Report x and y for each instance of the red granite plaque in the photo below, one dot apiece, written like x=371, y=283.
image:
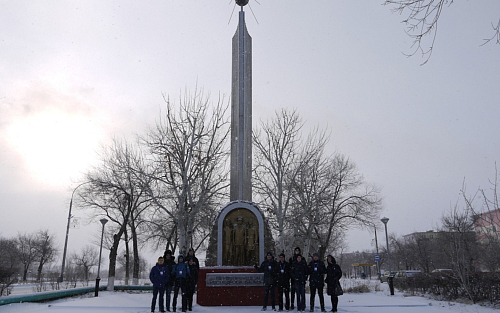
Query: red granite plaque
x=230, y=286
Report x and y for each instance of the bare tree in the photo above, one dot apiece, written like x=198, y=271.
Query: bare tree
x=281, y=159
x=350, y=200
x=139, y=216
x=310, y=198
x=423, y=254
x=142, y=265
x=460, y=244
x=189, y=154
x=45, y=250
x=85, y=261
x=484, y=205
x=277, y=154
x=403, y=253
x=9, y=265
x=161, y=231
x=422, y=18
x=496, y=34
x=118, y=190
x=28, y=252
x=332, y=197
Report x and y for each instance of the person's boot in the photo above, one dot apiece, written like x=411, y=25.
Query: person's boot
x=334, y=307
x=335, y=303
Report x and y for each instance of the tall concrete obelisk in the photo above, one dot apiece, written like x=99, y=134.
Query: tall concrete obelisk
x=242, y=233
x=241, y=117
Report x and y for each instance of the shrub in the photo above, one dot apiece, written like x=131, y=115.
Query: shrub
x=358, y=289
x=448, y=286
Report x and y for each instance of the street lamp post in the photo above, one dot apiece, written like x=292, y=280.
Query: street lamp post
x=98, y=279
x=67, y=233
x=390, y=278
x=378, y=256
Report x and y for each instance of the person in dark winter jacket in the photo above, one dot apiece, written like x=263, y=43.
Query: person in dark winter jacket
x=169, y=262
x=283, y=282
x=333, y=275
x=159, y=277
x=191, y=282
x=317, y=271
x=193, y=257
x=292, y=260
x=299, y=277
x=180, y=274
x=269, y=268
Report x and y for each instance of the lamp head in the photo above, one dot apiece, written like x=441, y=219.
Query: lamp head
x=103, y=221
x=385, y=220
x=241, y=3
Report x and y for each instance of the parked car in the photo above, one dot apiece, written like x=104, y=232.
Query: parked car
x=441, y=270
x=383, y=277
x=406, y=274
x=405, y=278
x=442, y=273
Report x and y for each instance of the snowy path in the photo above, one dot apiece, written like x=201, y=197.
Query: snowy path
x=122, y=302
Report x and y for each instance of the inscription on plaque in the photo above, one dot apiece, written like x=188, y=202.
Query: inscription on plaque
x=234, y=279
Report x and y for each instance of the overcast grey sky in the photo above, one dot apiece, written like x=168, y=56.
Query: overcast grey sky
x=75, y=74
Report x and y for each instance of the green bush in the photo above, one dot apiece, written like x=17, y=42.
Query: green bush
x=449, y=286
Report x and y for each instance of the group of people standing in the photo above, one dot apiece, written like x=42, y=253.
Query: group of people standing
x=290, y=278
x=294, y=273
x=167, y=275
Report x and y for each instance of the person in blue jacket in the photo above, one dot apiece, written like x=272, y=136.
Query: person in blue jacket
x=180, y=273
x=159, y=277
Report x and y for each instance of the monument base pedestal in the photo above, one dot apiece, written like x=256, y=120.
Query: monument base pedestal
x=221, y=290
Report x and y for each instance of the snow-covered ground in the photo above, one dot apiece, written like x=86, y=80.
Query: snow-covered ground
x=373, y=302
